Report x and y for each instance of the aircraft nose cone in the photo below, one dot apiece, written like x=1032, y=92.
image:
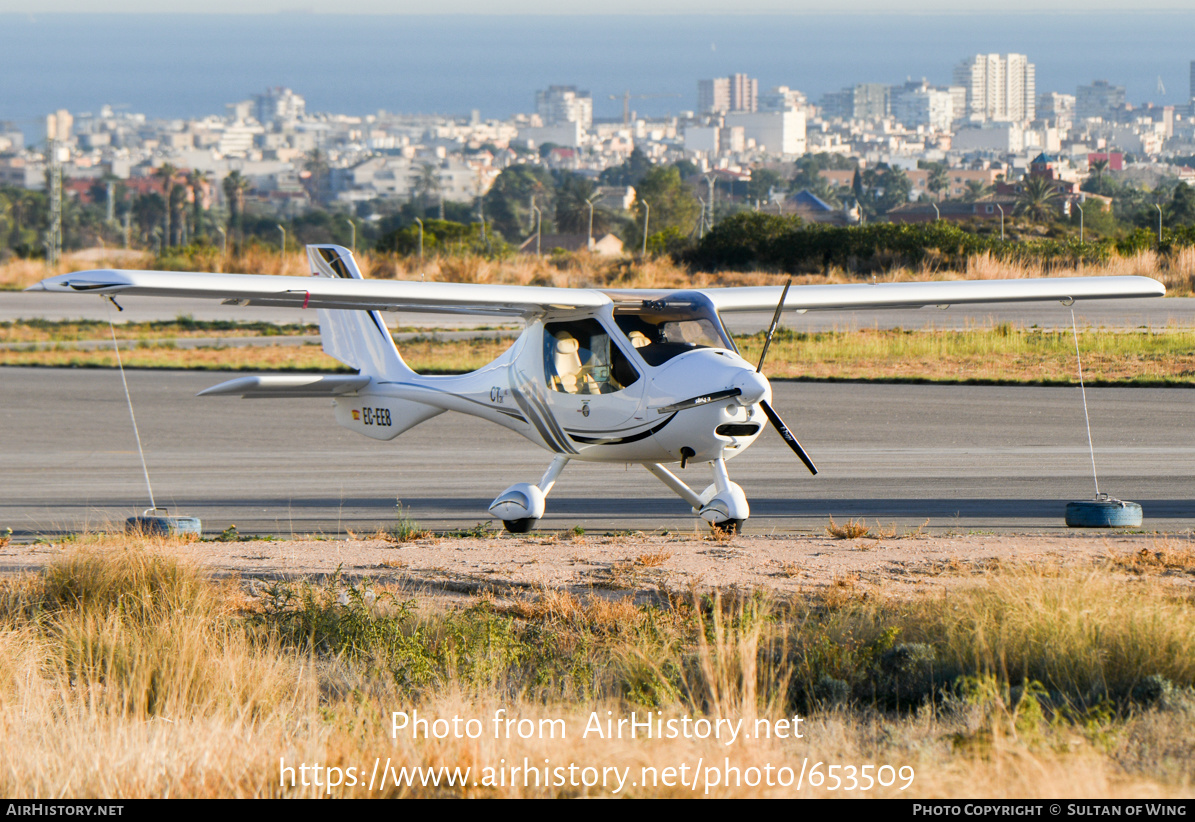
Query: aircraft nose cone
x=753, y=387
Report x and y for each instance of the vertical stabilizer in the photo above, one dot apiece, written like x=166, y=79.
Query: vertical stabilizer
x=357, y=338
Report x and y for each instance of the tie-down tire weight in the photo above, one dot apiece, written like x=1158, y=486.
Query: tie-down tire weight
x=1103, y=512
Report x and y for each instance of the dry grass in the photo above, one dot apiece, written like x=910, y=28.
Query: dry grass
x=653, y=559
x=128, y=674
x=995, y=354
x=1169, y=556
x=1001, y=354
x=852, y=529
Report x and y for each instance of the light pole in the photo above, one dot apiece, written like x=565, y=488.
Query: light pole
x=420, y=240
x=223, y=240
x=282, y=248
x=1080, y=221
x=711, y=178
x=589, y=203
x=538, y=219
x=353, y=227
x=701, y=223
x=1001, y=221
x=646, y=217
x=937, y=214
x=1159, y=208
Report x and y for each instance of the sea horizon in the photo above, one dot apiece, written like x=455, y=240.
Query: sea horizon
x=179, y=65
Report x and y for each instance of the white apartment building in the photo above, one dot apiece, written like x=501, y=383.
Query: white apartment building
x=279, y=105
x=773, y=132
x=782, y=98
x=1058, y=108
x=560, y=105
x=1000, y=88
x=920, y=106
x=722, y=94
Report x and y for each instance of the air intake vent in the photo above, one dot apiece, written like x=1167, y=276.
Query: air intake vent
x=737, y=429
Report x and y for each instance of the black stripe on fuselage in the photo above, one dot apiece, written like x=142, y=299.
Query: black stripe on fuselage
x=642, y=435
x=532, y=415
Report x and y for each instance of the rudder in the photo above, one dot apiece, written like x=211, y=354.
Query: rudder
x=358, y=339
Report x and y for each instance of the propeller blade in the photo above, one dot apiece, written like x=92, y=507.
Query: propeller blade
x=783, y=431
x=773, y=417
x=772, y=328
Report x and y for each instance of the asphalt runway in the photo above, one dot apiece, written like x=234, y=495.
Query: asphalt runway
x=1144, y=313
x=967, y=458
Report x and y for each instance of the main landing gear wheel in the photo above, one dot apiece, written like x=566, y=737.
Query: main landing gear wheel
x=730, y=526
x=520, y=526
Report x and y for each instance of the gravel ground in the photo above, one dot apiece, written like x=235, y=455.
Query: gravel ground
x=450, y=568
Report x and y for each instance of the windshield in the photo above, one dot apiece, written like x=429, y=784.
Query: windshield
x=662, y=329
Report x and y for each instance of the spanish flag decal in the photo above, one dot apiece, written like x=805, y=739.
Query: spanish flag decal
x=356, y=416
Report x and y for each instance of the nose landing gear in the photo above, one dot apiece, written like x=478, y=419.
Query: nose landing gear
x=723, y=504
x=521, y=505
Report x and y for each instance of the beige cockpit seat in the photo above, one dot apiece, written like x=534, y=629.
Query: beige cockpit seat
x=567, y=363
x=638, y=339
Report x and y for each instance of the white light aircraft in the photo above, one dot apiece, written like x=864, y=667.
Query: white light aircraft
x=601, y=375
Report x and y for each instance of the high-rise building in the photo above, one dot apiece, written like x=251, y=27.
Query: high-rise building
x=782, y=98
x=1192, y=93
x=871, y=101
x=1100, y=99
x=564, y=104
x=744, y=93
x=1001, y=88
x=918, y=104
x=1057, y=108
x=722, y=94
x=866, y=101
x=278, y=105
x=713, y=96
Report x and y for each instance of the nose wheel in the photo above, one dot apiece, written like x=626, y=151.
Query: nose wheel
x=730, y=526
x=521, y=505
x=723, y=504
x=520, y=526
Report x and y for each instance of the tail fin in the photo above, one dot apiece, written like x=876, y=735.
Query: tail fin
x=357, y=338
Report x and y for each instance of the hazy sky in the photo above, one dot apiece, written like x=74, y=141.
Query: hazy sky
x=605, y=7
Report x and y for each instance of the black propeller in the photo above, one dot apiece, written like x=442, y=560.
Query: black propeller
x=773, y=417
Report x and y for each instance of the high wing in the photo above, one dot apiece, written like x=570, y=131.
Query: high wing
x=324, y=292
x=531, y=301
x=944, y=293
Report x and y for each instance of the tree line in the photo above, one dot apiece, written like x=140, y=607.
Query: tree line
x=674, y=210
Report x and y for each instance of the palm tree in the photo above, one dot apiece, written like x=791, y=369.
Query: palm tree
x=572, y=206
x=197, y=181
x=235, y=187
x=939, y=180
x=976, y=190
x=317, y=166
x=1098, y=167
x=1037, y=199
x=427, y=185
x=178, y=215
x=166, y=174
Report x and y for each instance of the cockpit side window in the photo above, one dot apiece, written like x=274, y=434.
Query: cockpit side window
x=660, y=330
x=579, y=358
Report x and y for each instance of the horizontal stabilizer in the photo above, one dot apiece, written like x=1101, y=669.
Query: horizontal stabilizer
x=298, y=385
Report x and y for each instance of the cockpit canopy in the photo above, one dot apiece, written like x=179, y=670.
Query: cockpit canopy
x=662, y=329
x=584, y=356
